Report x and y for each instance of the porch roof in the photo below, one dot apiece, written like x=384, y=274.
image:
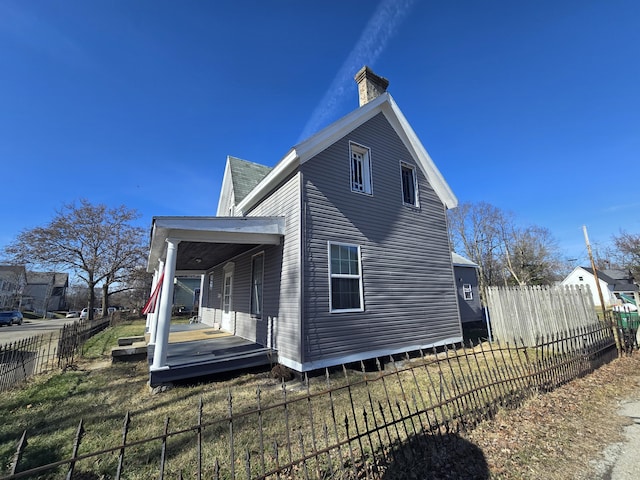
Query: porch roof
x=208, y=241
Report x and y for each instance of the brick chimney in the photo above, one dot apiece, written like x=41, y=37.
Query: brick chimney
x=370, y=85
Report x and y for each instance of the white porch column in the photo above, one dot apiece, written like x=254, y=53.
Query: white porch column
x=164, y=317
x=153, y=327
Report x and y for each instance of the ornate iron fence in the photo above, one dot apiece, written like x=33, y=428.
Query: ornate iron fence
x=348, y=423
x=31, y=356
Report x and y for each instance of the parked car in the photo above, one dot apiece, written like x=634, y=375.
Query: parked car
x=85, y=312
x=11, y=317
x=72, y=314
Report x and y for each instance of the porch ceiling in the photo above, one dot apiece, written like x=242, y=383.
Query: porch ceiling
x=208, y=241
x=200, y=256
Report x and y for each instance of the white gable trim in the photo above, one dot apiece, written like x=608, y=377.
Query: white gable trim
x=225, y=191
x=326, y=137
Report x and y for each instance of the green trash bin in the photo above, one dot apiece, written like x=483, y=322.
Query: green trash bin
x=628, y=323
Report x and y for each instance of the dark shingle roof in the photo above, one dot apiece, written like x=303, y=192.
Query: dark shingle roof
x=619, y=280
x=245, y=176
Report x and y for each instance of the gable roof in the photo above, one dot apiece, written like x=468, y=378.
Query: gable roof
x=315, y=144
x=460, y=261
x=240, y=177
x=245, y=176
x=12, y=271
x=619, y=280
x=56, y=279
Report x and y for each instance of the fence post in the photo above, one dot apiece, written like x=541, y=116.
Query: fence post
x=22, y=444
x=76, y=447
x=125, y=430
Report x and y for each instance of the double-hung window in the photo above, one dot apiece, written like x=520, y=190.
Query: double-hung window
x=345, y=278
x=257, y=279
x=409, y=185
x=467, y=291
x=360, y=169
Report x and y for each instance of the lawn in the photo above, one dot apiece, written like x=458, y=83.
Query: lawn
x=101, y=393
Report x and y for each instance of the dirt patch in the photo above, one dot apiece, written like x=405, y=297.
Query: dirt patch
x=99, y=365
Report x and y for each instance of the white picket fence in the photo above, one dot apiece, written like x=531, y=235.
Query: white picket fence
x=530, y=312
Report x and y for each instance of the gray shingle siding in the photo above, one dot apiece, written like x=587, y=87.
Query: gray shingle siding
x=409, y=291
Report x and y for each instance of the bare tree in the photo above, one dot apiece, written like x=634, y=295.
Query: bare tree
x=97, y=243
x=506, y=254
x=627, y=252
x=475, y=233
x=532, y=256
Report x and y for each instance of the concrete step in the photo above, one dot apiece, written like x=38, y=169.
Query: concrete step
x=133, y=352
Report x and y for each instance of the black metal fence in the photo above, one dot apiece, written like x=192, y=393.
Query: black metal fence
x=41, y=353
x=353, y=422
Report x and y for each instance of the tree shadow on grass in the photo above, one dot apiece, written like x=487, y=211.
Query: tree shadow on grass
x=423, y=457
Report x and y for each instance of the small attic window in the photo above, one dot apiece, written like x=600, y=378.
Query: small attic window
x=409, y=184
x=580, y=279
x=360, y=159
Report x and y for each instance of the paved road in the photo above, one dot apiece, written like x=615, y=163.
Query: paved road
x=622, y=460
x=30, y=328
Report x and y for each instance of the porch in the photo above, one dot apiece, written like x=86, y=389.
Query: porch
x=197, y=350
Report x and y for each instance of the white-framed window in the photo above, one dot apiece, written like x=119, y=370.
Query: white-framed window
x=257, y=281
x=360, y=159
x=467, y=291
x=345, y=278
x=409, y=184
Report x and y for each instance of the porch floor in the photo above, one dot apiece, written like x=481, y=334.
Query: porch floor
x=197, y=350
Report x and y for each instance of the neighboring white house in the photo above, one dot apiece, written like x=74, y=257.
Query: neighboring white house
x=612, y=284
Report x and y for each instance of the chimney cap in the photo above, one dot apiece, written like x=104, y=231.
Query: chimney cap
x=370, y=85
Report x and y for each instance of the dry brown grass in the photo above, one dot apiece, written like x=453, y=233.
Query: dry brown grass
x=554, y=435
x=559, y=435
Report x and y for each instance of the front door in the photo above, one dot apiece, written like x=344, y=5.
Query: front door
x=227, y=301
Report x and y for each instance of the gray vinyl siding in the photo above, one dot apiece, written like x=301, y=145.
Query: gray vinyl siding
x=409, y=291
x=243, y=324
x=282, y=269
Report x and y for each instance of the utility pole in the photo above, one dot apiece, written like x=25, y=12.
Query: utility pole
x=595, y=276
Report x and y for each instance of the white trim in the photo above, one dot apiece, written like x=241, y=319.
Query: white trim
x=225, y=190
x=257, y=317
x=242, y=230
x=414, y=175
x=326, y=137
x=356, y=357
x=225, y=317
x=367, y=174
x=340, y=275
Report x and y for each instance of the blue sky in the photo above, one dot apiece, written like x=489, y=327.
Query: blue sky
x=531, y=106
